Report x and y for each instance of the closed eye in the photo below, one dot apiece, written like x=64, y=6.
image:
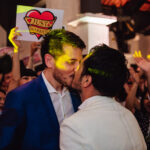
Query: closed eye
x=71, y=62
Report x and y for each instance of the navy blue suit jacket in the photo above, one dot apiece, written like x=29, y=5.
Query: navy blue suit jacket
x=29, y=121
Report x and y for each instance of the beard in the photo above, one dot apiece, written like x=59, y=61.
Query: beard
x=63, y=80
x=76, y=85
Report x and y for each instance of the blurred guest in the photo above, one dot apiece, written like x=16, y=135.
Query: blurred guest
x=39, y=69
x=145, y=66
x=26, y=76
x=2, y=99
x=1, y=69
x=20, y=75
x=143, y=110
x=7, y=70
x=137, y=100
x=34, y=47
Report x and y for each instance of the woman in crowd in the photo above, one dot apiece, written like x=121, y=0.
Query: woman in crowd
x=138, y=100
x=2, y=99
x=21, y=75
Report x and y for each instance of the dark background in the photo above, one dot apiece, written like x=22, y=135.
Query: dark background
x=133, y=16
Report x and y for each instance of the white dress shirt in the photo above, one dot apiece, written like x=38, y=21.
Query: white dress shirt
x=61, y=101
x=101, y=124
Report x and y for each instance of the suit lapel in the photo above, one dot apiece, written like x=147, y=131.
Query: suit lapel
x=48, y=103
x=76, y=100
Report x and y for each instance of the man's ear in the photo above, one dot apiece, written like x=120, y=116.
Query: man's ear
x=49, y=60
x=86, y=81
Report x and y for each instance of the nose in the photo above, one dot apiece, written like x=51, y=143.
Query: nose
x=76, y=66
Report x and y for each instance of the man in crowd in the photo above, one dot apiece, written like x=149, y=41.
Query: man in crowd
x=34, y=111
x=101, y=122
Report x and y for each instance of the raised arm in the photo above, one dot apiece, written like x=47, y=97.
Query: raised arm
x=131, y=95
x=34, y=47
x=16, y=63
x=145, y=66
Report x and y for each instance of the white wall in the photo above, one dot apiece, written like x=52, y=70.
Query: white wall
x=3, y=37
x=71, y=11
x=71, y=8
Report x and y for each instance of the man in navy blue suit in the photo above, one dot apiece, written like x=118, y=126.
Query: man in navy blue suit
x=33, y=112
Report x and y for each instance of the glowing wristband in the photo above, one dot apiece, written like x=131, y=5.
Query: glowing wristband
x=15, y=50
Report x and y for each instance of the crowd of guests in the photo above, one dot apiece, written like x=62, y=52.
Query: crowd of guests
x=135, y=97
x=13, y=72
x=40, y=98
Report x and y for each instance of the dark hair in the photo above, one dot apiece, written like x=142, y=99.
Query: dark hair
x=53, y=42
x=5, y=64
x=39, y=68
x=28, y=72
x=121, y=95
x=135, y=67
x=22, y=66
x=2, y=91
x=108, y=69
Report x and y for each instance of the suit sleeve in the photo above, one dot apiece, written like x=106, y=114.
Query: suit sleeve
x=71, y=137
x=11, y=122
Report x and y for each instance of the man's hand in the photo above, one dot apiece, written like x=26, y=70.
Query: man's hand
x=12, y=38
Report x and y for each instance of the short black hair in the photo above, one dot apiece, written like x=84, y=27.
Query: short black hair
x=5, y=64
x=39, y=68
x=53, y=42
x=134, y=66
x=107, y=68
x=2, y=91
x=28, y=72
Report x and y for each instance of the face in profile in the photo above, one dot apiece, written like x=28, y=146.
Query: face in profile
x=66, y=65
x=2, y=99
x=76, y=84
x=26, y=79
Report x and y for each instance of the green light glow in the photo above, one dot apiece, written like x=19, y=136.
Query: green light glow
x=99, y=72
x=23, y=9
x=137, y=54
x=22, y=30
x=148, y=56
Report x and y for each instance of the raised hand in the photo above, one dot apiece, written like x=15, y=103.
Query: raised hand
x=143, y=64
x=13, y=39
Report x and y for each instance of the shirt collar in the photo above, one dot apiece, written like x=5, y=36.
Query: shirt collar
x=50, y=88
x=93, y=99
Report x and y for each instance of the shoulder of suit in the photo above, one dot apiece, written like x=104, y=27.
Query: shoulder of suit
x=26, y=88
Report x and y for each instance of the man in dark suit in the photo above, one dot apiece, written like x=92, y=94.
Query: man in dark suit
x=33, y=112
